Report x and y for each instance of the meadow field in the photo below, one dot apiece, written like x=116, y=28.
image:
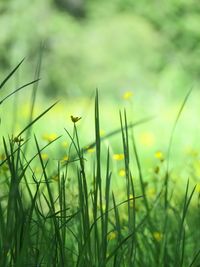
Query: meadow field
x=99, y=133
x=90, y=184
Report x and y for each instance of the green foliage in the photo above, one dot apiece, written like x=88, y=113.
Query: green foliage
x=71, y=214
x=113, y=47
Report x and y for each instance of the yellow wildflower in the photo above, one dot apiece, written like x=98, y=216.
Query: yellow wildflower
x=151, y=192
x=118, y=156
x=91, y=150
x=158, y=236
x=64, y=159
x=103, y=207
x=159, y=155
x=131, y=201
x=65, y=144
x=55, y=178
x=122, y=173
x=17, y=139
x=198, y=188
x=49, y=137
x=191, y=152
x=102, y=132
x=127, y=95
x=44, y=156
x=112, y=235
x=37, y=170
x=147, y=139
x=75, y=119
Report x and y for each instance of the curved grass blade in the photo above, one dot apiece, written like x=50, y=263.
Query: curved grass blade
x=51, y=205
x=18, y=89
x=174, y=126
x=166, y=179
x=10, y=74
x=195, y=258
x=36, y=119
x=37, y=75
x=114, y=252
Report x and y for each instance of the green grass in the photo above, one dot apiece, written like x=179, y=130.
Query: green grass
x=77, y=213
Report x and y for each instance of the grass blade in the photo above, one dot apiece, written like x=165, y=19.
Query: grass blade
x=10, y=74
x=17, y=90
x=36, y=119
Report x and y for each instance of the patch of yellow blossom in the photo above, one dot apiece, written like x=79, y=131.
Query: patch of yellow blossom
x=64, y=144
x=44, y=156
x=25, y=110
x=103, y=207
x=37, y=170
x=131, y=201
x=191, y=152
x=198, y=188
x=49, y=137
x=127, y=95
x=159, y=155
x=91, y=150
x=118, y=156
x=196, y=166
x=64, y=159
x=112, y=235
x=151, y=192
x=102, y=133
x=55, y=178
x=158, y=236
x=147, y=139
x=122, y=172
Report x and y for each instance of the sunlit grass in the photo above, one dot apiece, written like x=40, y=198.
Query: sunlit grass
x=91, y=188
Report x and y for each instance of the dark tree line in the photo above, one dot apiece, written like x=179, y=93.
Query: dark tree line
x=76, y=8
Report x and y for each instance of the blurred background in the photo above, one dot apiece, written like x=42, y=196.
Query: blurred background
x=113, y=45
x=148, y=49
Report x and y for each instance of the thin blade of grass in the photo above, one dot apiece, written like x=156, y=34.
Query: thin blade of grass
x=106, y=217
x=18, y=89
x=194, y=259
x=179, y=252
x=36, y=119
x=175, y=125
x=114, y=252
x=35, y=90
x=35, y=85
x=52, y=207
x=166, y=179
x=117, y=219
x=10, y=74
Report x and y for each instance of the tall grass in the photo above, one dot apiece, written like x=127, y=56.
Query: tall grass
x=46, y=220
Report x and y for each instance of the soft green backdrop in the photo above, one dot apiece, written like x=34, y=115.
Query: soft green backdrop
x=150, y=46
